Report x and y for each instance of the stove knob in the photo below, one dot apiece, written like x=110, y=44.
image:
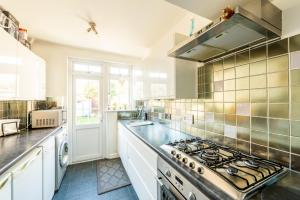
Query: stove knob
x=168, y=173
x=184, y=160
x=173, y=152
x=192, y=165
x=200, y=170
x=178, y=156
x=192, y=196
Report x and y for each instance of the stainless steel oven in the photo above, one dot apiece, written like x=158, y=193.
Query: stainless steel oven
x=173, y=186
x=165, y=189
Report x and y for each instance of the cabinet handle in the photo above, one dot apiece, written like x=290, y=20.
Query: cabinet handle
x=25, y=165
x=4, y=182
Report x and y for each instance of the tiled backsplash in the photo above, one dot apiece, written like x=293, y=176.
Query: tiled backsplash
x=21, y=109
x=249, y=100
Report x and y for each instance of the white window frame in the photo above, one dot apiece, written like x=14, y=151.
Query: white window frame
x=127, y=77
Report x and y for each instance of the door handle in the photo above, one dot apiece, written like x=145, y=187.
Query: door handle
x=27, y=163
x=4, y=182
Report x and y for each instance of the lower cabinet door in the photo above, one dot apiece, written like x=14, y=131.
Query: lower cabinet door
x=122, y=148
x=5, y=187
x=140, y=163
x=48, y=168
x=28, y=177
x=137, y=183
x=143, y=173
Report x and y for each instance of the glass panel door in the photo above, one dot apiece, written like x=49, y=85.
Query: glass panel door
x=87, y=117
x=87, y=101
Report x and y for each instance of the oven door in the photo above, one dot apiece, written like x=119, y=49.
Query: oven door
x=165, y=190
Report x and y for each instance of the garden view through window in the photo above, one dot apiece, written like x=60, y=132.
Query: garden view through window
x=87, y=101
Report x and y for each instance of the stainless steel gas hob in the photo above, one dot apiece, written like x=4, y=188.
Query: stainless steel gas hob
x=237, y=174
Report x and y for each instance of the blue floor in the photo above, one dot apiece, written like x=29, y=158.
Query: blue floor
x=80, y=183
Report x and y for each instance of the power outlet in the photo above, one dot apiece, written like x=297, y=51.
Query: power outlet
x=189, y=119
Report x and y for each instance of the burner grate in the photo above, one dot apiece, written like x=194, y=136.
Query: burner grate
x=240, y=170
x=244, y=176
x=191, y=145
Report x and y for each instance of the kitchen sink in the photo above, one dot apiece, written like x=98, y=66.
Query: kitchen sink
x=140, y=123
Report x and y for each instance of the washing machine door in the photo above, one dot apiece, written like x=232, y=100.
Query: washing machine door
x=63, y=154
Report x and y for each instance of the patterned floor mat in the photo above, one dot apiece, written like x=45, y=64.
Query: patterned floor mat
x=111, y=175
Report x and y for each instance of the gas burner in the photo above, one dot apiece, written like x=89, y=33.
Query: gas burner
x=210, y=154
x=241, y=171
x=183, y=147
x=251, y=163
x=198, y=144
x=231, y=170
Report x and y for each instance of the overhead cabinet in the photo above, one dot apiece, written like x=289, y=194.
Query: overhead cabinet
x=8, y=66
x=22, y=73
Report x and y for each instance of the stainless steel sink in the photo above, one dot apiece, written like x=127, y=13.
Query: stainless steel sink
x=139, y=123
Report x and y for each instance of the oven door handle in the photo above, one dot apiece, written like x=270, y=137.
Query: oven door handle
x=159, y=186
x=158, y=179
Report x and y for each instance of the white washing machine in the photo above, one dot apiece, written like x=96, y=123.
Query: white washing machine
x=61, y=155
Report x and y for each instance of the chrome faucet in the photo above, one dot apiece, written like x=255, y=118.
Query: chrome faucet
x=140, y=113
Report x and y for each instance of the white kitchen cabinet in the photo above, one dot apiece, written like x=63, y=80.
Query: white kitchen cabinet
x=140, y=162
x=26, y=71
x=167, y=77
x=122, y=145
x=138, y=166
x=111, y=119
x=8, y=66
x=48, y=168
x=41, y=79
x=22, y=73
x=31, y=75
x=28, y=177
x=5, y=187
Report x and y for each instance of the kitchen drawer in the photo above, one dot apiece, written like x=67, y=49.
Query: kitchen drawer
x=149, y=156
x=143, y=169
x=143, y=191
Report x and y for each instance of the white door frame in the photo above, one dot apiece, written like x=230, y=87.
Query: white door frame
x=70, y=100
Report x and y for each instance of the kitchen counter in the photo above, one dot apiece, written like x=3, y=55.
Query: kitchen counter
x=157, y=134
x=15, y=147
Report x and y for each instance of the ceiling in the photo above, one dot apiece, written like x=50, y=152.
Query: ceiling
x=210, y=9
x=125, y=26
x=207, y=9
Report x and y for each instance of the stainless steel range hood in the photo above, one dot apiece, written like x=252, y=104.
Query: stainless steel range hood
x=258, y=21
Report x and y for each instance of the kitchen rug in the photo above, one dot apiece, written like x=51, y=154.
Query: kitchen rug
x=111, y=175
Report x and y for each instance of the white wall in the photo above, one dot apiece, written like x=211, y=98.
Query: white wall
x=164, y=44
x=291, y=22
x=158, y=58
x=57, y=56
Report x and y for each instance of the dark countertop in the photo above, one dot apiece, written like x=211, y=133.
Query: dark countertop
x=156, y=135
x=15, y=147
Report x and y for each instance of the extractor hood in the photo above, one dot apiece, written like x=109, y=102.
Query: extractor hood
x=255, y=22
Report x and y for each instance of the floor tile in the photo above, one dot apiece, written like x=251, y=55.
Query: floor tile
x=80, y=183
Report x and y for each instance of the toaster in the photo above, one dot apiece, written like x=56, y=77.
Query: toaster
x=9, y=126
x=47, y=118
